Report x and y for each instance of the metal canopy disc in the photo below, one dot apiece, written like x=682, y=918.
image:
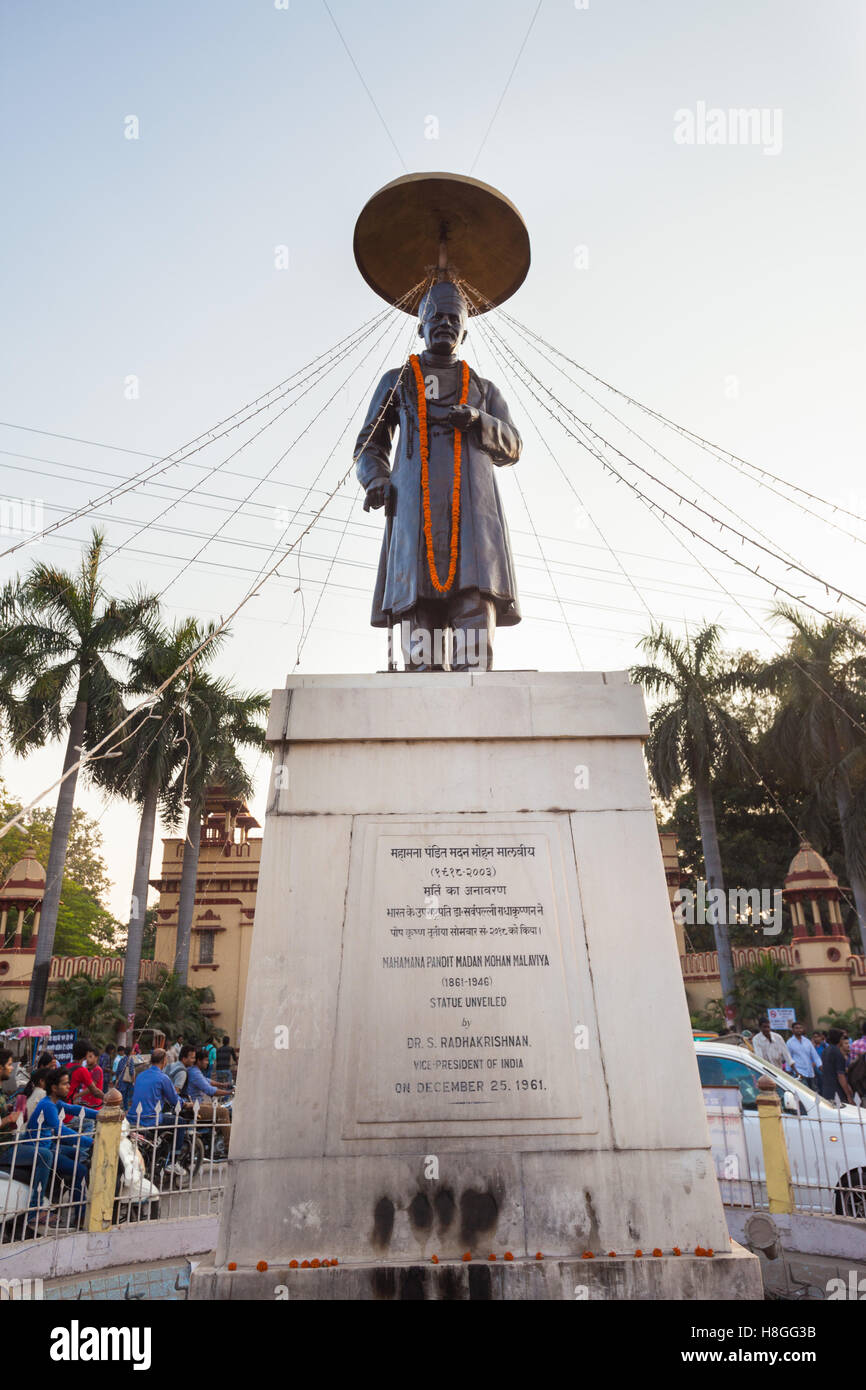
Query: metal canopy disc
x=398, y=234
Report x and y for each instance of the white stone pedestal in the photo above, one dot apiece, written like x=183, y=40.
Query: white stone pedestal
x=465, y=1027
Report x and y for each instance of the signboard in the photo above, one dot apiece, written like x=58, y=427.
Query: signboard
x=782, y=1018
x=60, y=1041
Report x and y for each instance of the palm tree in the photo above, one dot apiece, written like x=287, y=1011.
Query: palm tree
x=694, y=735
x=176, y=1010
x=221, y=720
x=820, y=684
x=849, y=1020
x=71, y=630
x=152, y=757
x=22, y=719
x=91, y=1006
x=766, y=985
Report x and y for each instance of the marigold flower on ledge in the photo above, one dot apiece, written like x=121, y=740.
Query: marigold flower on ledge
x=491, y=1257
x=467, y=1256
x=305, y=1264
x=508, y=1255
x=587, y=1255
x=637, y=1254
x=314, y=1264
x=657, y=1251
x=538, y=1255
x=232, y=1265
x=677, y=1250
x=611, y=1254
x=293, y=1264
x=699, y=1250
x=262, y=1266
x=434, y=1259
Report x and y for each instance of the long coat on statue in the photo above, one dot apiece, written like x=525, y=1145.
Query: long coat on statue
x=484, y=560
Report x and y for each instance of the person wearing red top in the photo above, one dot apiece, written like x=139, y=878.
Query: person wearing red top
x=86, y=1080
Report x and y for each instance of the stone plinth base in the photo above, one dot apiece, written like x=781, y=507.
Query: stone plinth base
x=733, y=1276
x=465, y=1027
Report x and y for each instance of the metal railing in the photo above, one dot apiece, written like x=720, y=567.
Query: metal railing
x=43, y=1178
x=176, y=1167
x=824, y=1143
x=113, y=1170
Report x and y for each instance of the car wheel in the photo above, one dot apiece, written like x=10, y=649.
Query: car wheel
x=851, y=1194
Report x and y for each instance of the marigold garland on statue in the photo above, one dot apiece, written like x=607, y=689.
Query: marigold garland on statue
x=425, y=477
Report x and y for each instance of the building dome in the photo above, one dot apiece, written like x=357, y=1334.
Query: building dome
x=810, y=874
x=25, y=884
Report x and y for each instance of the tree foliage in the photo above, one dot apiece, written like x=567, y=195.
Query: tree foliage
x=85, y=926
x=173, y=1008
x=766, y=985
x=91, y=1006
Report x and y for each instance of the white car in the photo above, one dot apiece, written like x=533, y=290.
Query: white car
x=826, y=1142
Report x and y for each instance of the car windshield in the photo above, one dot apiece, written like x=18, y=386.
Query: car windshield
x=793, y=1083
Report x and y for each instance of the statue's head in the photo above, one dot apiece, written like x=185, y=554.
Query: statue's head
x=442, y=316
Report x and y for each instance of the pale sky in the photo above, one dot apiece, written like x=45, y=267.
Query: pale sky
x=721, y=284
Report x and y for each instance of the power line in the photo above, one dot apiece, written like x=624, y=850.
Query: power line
x=507, y=85
x=582, y=504
x=664, y=458
x=724, y=455
x=584, y=428
x=543, y=555
x=590, y=574
x=384, y=123
x=254, y=589
x=656, y=507
x=321, y=373
x=200, y=442
x=352, y=413
x=362, y=530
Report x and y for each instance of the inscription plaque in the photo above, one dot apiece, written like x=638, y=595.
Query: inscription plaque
x=463, y=956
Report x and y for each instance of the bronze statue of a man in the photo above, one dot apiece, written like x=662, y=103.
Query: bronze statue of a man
x=446, y=569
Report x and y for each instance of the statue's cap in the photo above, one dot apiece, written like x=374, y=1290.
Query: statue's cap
x=443, y=295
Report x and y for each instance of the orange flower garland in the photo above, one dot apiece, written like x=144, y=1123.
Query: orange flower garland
x=425, y=477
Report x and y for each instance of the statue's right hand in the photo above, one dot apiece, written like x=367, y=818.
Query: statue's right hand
x=377, y=495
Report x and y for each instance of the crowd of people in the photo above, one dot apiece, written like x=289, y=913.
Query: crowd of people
x=829, y=1063
x=167, y=1088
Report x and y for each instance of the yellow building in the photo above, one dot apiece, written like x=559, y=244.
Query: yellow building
x=819, y=956
x=225, y=905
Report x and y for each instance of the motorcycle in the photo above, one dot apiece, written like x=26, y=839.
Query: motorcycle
x=168, y=1162
x=213, y=1147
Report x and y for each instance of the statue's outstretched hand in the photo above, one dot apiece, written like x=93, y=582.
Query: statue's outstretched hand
x=462, y=417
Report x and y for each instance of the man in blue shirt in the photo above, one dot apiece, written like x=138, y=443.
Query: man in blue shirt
x=198, y=1088
x=806, y=1058
x=61, y=1148
x=154, y=1101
